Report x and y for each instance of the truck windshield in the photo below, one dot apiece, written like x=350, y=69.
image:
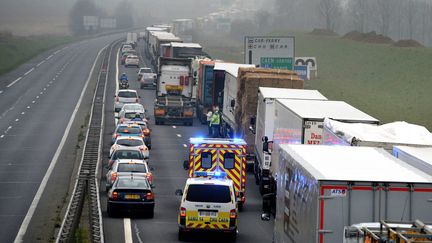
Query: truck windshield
x=208, y=193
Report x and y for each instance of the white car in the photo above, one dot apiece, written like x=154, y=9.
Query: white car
x=132, y=60
x=208, y=204
x=127, y=167
x=125, y=96
x=124, y=142
x=129, y=111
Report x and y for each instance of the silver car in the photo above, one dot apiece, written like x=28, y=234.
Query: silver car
x=126, y=167
x=129, y=111
x=125, y=96
x=146, y=77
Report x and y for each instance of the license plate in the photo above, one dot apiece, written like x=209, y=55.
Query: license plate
x=132, y=196
x=207, y=214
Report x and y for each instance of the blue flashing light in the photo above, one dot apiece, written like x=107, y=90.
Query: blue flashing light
x=217, y=173
x=201, y=173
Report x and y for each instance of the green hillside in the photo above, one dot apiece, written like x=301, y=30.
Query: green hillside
x=389, y=83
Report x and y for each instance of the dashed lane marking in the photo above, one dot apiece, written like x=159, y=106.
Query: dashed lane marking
x=28, y=107
x=184, y=145
x=179, y=135
x=22, y=113
x=14, y=82
x=127, y=230
x=174, y=127
x=49, y=57
x=2, y=136
x=16, y=119
x=28, y=72
x=1, y=91
x=40, y=63
x=33, y=101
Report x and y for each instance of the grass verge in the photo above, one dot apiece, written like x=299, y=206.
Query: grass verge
x=17, y=50
x=389, y=83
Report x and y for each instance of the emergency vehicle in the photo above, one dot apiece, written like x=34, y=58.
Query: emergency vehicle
x=208, y=204
x=219, y=155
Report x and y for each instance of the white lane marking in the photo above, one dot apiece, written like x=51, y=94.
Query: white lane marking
x=7, y=130
x=16, y=119
x=24, y=225
x=179, y=135
x=44, y=89
x=1, y=91
x=40, y=63
x=22, y=113
x=137, y=233
x=127, y=230
x=49, y=57
x=174, y=127
x=28, y=107
x=16, y=80
x=41, y=93
x=2, y=136
x=37, y=97
x=184, y=145
x=53, y=79
x=33, y=101
x=29, y=71
x=56, y=52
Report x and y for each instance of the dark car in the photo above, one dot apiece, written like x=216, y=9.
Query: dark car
x=132, y=195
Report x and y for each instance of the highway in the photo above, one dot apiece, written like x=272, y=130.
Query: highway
x=169, y=150
x=38, y=105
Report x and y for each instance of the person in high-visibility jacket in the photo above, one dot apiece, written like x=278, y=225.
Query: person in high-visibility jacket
x=215, y=123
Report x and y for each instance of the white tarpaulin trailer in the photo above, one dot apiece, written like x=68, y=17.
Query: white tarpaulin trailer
x=383, y=136
x=420, y=158
x=321, y=189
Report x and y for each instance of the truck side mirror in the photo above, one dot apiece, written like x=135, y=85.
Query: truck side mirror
x=186, y=165
x=232, y=103
x=265, y=217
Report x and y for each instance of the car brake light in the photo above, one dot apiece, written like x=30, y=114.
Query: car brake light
x=113, y=176
x=114, y=195
x=150, y=196
x=182, y=212
x=233, y=214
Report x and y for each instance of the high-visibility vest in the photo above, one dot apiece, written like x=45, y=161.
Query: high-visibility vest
x=215, y=120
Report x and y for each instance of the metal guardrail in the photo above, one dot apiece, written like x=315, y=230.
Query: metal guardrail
x=87, y=179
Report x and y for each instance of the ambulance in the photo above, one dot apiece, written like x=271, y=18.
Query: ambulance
x=208, y=204
x=219, y=155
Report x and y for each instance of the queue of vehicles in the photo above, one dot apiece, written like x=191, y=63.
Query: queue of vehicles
x=315, y=190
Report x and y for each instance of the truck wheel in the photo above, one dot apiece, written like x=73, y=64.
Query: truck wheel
x=261, y=188
x=181, y=235
x=240, y=206
x=232, y=236
x=150, y=214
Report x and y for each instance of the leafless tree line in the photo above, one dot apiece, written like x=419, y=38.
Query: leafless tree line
x=398, y=19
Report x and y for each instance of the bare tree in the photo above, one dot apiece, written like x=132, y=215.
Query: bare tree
x=359, y=10
x=329, y=10
x=385, y=12
x=411, y=9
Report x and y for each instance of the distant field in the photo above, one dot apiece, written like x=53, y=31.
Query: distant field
x=389, y=83
x=17, y=50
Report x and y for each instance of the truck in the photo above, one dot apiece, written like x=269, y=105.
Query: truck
x=239, y=97
x=419, y=157
x=156, y=39
x=263, y=127
x=209, y=86
x=174, y=89
x=152, y=29
x=385, y=136
x=321, y=189
x=132, y=38
x=216, y=157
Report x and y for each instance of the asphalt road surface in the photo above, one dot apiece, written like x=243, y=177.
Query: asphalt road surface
x=37, y=102
x=169, y=150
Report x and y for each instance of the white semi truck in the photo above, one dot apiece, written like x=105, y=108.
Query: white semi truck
x=264, y=127
x=322, y=189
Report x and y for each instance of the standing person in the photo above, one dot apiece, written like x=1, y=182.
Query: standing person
x=209, y=116
x=215, y=123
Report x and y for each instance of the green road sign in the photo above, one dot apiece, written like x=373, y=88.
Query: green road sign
x=277, y=62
